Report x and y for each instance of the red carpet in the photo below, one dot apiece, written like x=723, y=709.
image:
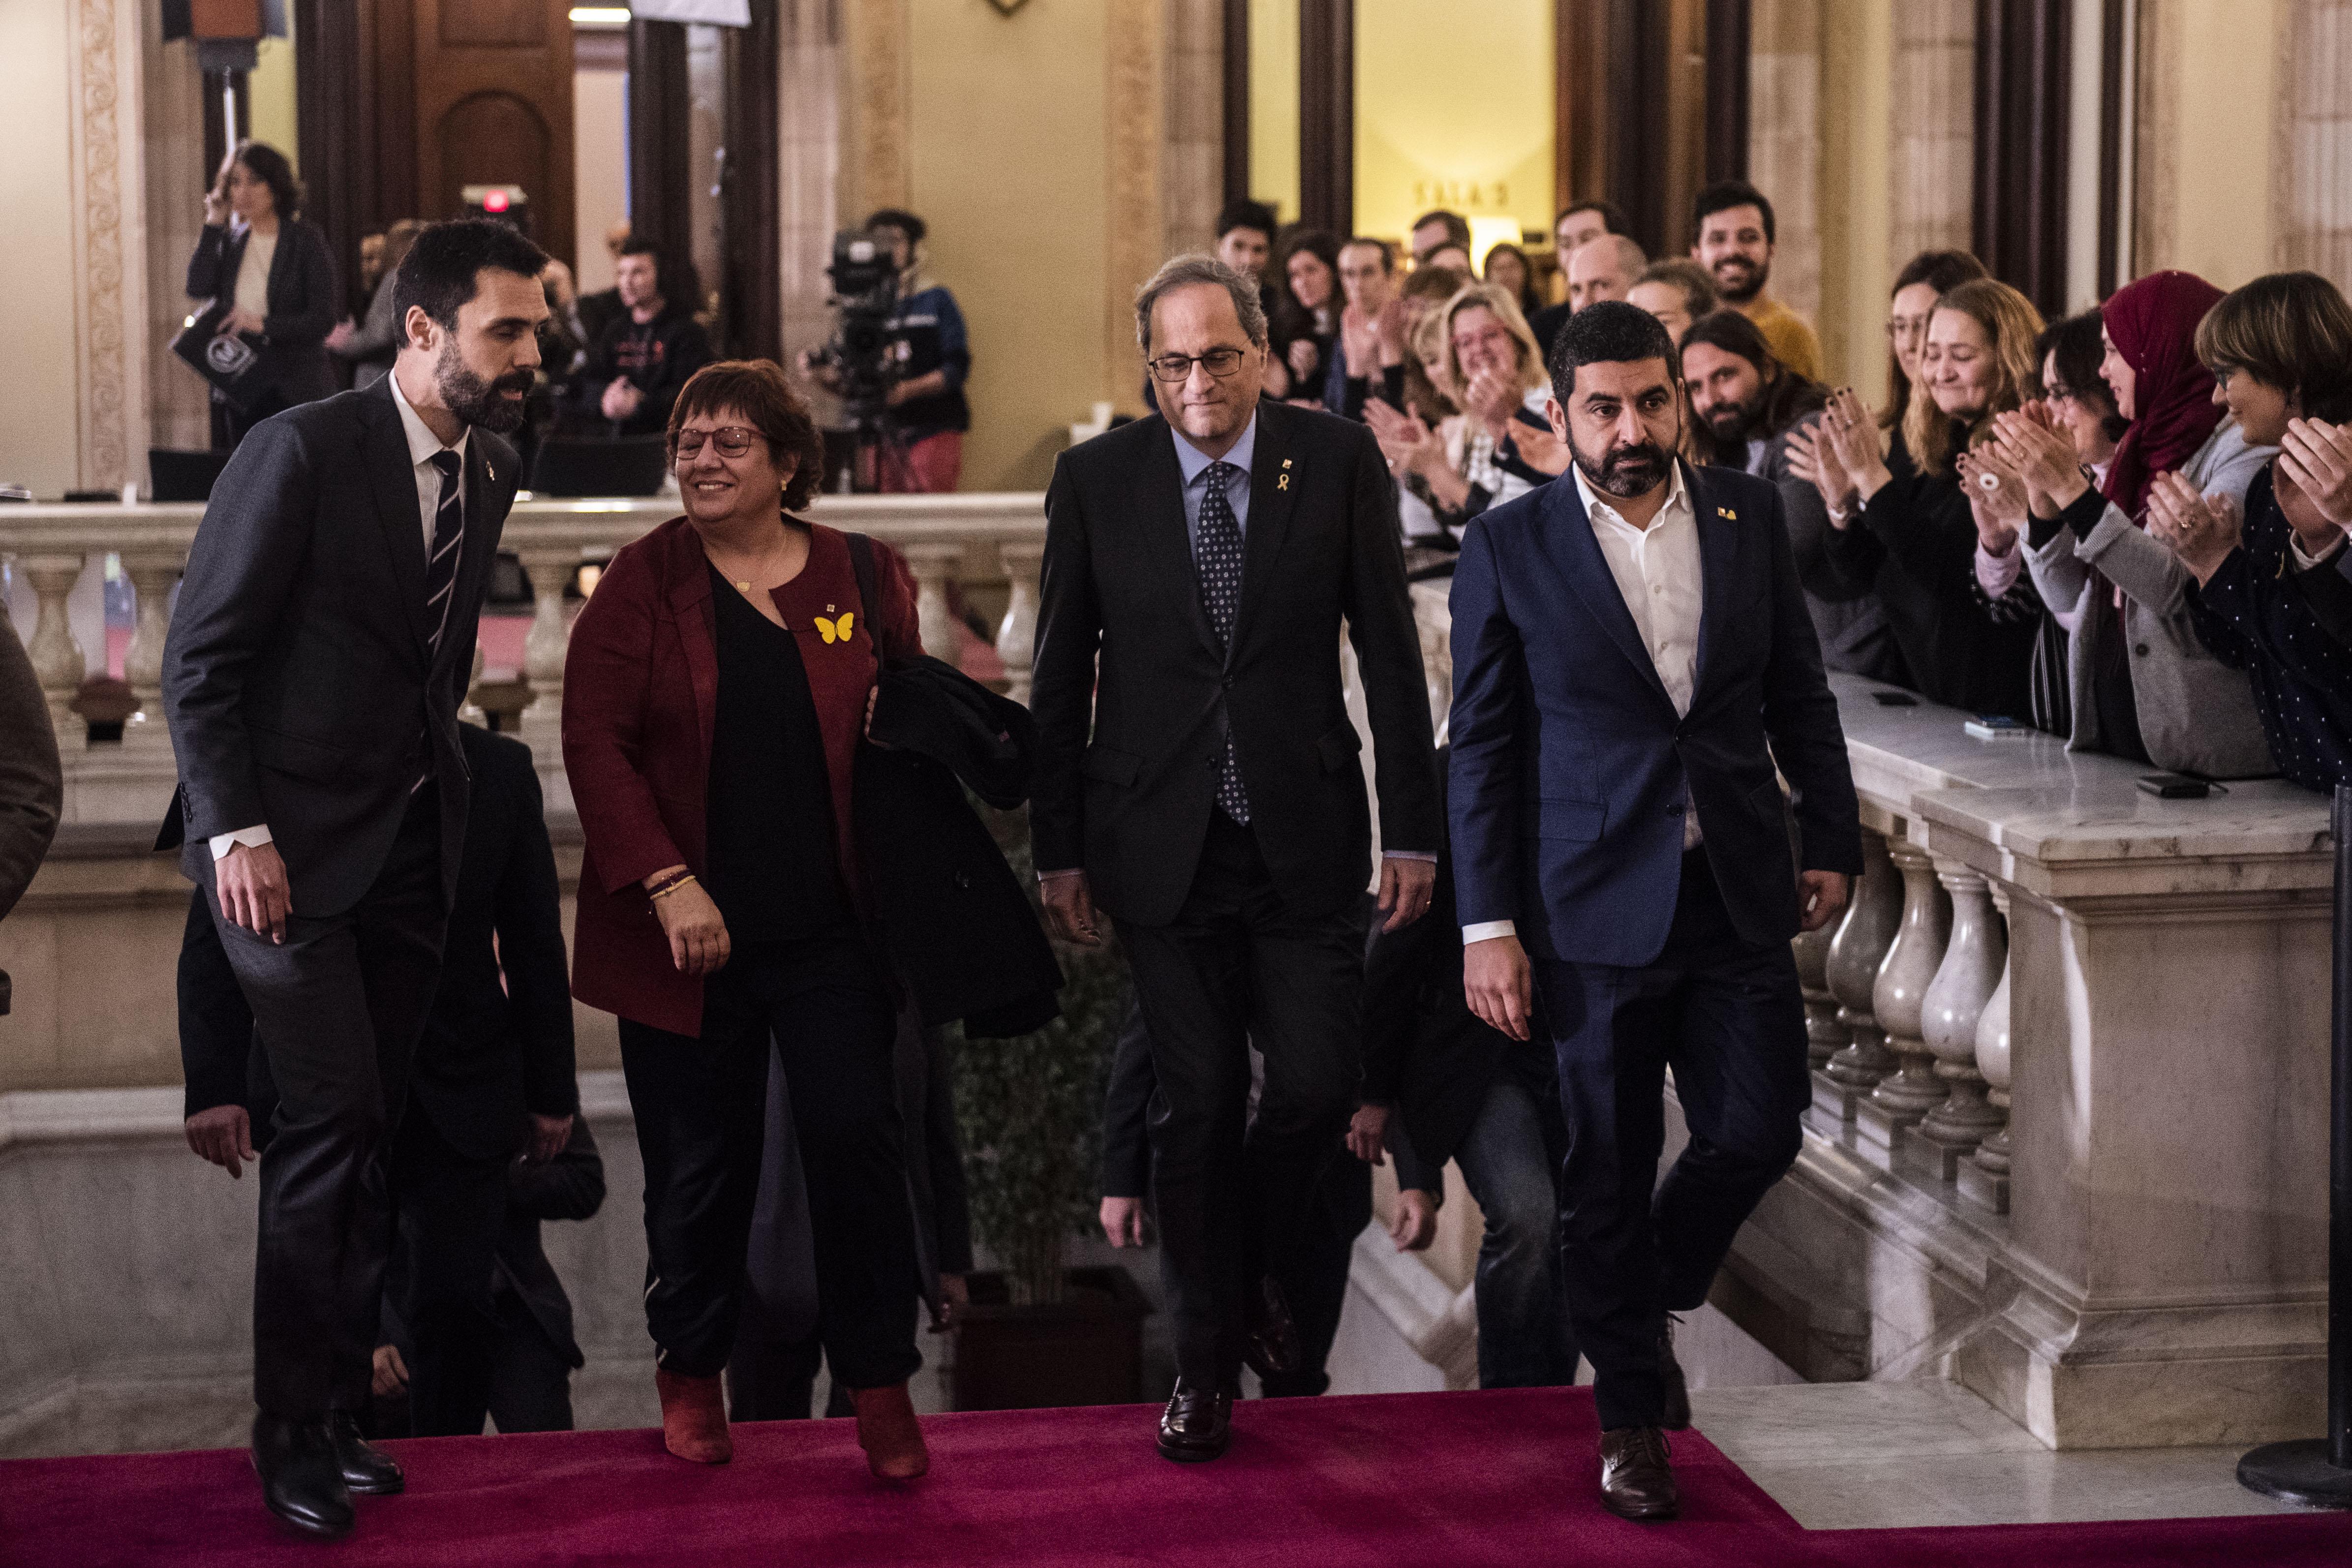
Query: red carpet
x=1458, y=1480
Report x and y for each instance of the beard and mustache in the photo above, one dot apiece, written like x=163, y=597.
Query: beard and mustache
x=478, y=401
x=1738, y=279
x=1627, y=471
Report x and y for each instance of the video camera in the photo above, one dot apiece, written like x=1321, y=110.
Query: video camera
x=865, y=292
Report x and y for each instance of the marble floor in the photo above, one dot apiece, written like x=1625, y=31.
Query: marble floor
x=1864, y=1456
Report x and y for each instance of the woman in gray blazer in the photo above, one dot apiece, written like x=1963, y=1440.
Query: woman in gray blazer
x=2143, y=686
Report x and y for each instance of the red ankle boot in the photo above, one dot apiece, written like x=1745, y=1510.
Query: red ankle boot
x=694, y=1417
x=887, y=1431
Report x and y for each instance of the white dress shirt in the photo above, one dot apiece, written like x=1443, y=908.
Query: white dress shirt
x=251, y=291
x=1658, y=573
x=422, y=447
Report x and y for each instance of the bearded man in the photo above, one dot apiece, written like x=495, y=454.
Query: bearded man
x=1632, y=659
x=323, y=641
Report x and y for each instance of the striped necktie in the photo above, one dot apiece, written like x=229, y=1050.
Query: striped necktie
x=1217, y=557
x=448, y=533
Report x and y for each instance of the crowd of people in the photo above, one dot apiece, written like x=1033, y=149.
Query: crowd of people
x=2127, y=527
x=611, y=362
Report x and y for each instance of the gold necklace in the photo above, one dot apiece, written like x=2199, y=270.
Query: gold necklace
x=744, y=584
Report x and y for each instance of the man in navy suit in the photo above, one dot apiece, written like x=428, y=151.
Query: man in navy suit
x=1632, y=659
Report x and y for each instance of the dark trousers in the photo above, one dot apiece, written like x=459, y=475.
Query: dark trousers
x=1510, y=1160
x=1315, y=1279
x=452, y=1207
x=1729, y=1019
x=700, y=1105
x=338, y=1006
x=1236, y=967
x=530, y=1379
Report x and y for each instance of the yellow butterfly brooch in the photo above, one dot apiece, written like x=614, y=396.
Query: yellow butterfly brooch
x=836, y=630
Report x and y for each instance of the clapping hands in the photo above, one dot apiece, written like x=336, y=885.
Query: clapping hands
x=2317, y=457
x=2203, y=531
x=2042, y=457
x=1997, y=497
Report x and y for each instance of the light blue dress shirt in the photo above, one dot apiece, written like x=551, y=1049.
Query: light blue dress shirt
x=1194, y=463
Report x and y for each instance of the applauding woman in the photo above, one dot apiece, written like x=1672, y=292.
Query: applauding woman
x=2281, y=351
x=1913, y=539
x=2143, y=685
x=714, y=699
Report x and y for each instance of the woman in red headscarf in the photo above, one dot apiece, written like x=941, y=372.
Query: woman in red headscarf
x=2144, y=687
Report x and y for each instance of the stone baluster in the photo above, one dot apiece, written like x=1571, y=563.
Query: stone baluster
x=58, y=658
x=1974, y=961
x=550, y=568
x=1822, y=1036
x=151, y=577
x=1898, y=1000
x=1984, y=1175
x=1016, y=640
x=470, y=711
x=1855, y=953
x=933, y=565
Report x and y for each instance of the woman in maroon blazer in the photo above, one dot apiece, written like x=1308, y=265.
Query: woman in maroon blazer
x=714, y=697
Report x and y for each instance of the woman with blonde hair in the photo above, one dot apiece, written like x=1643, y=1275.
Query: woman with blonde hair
x=1500, y=445
x=1913, y=539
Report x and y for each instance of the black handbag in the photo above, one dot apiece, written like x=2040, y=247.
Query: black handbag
x=230, y=361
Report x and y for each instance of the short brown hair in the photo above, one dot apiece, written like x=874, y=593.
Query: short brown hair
x=759, y=390
x=2290, y=330
x=2012, y=327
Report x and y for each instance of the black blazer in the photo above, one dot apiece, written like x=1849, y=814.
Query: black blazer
x=1129, y=759
x=498, y=1042
x=299, y=677
x=569, y=1187
x=959, y=927
x=303, y=304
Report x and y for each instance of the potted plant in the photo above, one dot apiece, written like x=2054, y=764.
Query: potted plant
x=1029, y=1111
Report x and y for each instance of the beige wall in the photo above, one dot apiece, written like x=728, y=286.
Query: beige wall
x=1462, y=121
x=272, y=106
x=1857, y=43
x=1006, y=135
x=2204, y=201
x=600, y=157
x=39, y=438
x=1274, y=104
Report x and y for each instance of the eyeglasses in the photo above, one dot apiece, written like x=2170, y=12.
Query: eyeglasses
x=732, y=441
x=1171, y=370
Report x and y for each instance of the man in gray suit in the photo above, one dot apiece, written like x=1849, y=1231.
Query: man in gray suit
x=322, y=642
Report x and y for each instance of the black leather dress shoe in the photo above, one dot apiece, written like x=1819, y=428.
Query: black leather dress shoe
x=1636, y=1482
x=302, y=1482
x=1269, y=1337
x=1675, y=1416
x=367, y=1469
x=1196, y=1426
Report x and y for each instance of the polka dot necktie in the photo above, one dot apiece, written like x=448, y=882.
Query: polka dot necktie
x=1217, y=556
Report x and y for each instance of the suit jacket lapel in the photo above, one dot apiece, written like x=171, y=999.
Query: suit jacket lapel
x=393, y=477
x=1168, y=539
x=1587, y=569
x=1718, y=546
x=1273, y=487
x=687, y=572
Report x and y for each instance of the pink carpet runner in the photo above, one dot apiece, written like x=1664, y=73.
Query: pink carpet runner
x=1387, y=1481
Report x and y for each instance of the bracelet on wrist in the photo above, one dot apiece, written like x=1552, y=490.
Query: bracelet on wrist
x=664, y=890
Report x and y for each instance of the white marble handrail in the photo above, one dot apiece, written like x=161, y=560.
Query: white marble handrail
x=980, y=540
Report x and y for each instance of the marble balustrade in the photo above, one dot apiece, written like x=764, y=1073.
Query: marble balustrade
x=985, y=547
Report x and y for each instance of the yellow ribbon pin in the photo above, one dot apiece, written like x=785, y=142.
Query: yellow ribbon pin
x=1282, y=481
x=837, y=631
x=1727, y=513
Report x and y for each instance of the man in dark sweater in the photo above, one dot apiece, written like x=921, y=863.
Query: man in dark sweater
x=641, y=359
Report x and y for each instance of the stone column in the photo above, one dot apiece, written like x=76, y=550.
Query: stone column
x=151, y=577
x=58, y=657
x=1974, y=963
x=933, y=565
x=1822, y=1036
x=1016, y=640
x=1855, y=953
x=1898, y=999
x=550, y=568
x=1984, y=1174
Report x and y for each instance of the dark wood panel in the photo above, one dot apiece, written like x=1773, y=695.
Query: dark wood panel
x=1728, y=23
x=1580, y=100
x=338, y=176
x=660, y=201
x=1327, y=114
x=2022, y=87
x=1634, y=110
x=1236, y=118
x=2111, y=144
x=497, y=24
x=751, y=299
x=471, y=83
x=388, y=37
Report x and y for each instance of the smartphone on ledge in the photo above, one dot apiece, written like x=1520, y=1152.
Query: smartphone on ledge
x=2175, y=787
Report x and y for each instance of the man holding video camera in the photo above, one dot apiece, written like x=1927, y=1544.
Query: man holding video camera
x=917, y=361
